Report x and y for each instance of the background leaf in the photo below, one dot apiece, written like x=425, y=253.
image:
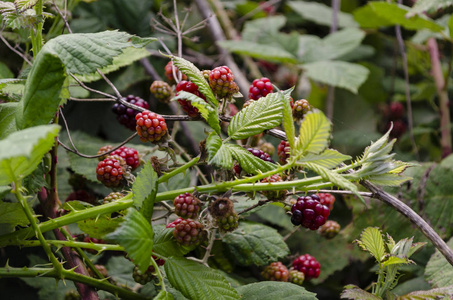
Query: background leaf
x=256, y=244
x=136, y=236
x=354, y=292
x=195, y=281
x=439, y=272
x=321, y=13
x=13, y=214
x=7, y=119
x=337, y=73
x=265, y=113
x=165, y=244
x=144, y=190
x=270, y=290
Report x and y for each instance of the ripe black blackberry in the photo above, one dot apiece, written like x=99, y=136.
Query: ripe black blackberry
x=276, y=271
x=187, y=206
x=309, y=212
x=221, y=81
x=308, y=265
x=189, y=86
x=151, y=127
x=283, y=152
x=161, y=91
x=189, y=233
x=130, y=156
x=126, y=115
x=330, y=229
x=296, y=277
x=260, y=88
x=109, y=172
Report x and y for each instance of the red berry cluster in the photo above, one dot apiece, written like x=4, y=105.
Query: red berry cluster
x=109, y=172
x=130, y=156
x=187, y=206
x=308, y=265
x=189, y=232
x=283, y=151
x=327, y=199
x=151, y=126
x=276, y=271
x=260, y=88
x=189, y=86
x=330, y=229
x=221, y=81
x=104, y=149
x=174, y=223
x=309, y=212
x=394, y=113
x=126, y=115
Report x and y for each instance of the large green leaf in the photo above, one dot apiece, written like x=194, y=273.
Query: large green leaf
x=13, y=214
x=334, y=45
x=207, y=112
x=136, y=236
x=271, y=290
x=218, y=152
x=337, y=73
x=267, y=52
x=321, y=13
x=439, y=272
x=371, y=240
x=328, y=159
x=262, y=114
x=195, y=281
x=7, y=119
x=248, y=162
x=12, y=88
x=354, y=292
x=22, y=151
x=144, y=190
x=254, y=243
x=99, y=227
x=314, y=134
x=196, y=77
x=262, y=28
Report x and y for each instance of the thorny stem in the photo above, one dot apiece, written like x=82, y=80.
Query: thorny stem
x=71, y=275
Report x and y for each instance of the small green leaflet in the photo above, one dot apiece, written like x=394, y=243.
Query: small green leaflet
x=272, y=290
x=144, y=190
x=250, y=163
x=99, y=227
x=260, y=115
x=314, y=134
x=136, y=236
x=207, y=112
x=219, y=153
x=395, y=260
x=195, y=281
x=288, y=121
x=196, y=77
x=371, y=240
x=328, y=159
x=22, y=151
x=163, y=295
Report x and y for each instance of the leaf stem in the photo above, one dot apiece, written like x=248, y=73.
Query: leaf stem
x=72, y=244
x=181, y=169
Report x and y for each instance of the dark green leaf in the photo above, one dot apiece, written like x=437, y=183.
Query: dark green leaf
x=271, y=290
x=248, y=162
x=439, y=272
x=7, y=119
x=254, y=243
x=144, y=190
x=354, y=292
x=195, y=281
x=136, y=236
x=22, y=151
x=439, y=293
x=219, y=153
x=260, y=51
x=262, y=114
x=99, y=227
x=13, y=214
x=196, y=77
x=337, y=73
x=165, y=244
x=371, y=240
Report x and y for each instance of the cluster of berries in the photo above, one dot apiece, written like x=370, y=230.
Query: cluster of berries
x=303, y=267
x=309, y=212
x=394, y=113
x=147, y=276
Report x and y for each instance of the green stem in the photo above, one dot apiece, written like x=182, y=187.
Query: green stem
x=72, y=244
x=181, y=169
x=71, y=275
x=38, y=38
x=23, y=202
x=158, y=273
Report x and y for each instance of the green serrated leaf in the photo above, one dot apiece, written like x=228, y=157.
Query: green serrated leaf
x=321, y=14
x=13, y=214
x=99, y=227
x=195, y=281
x=328, y=159
x=248, y=162
x=136, y=236
x=288, y=121
x=314, y=134
x=163, y=295
x=443, y=292
x=438, y=271
x=219, y=153
x=373, y=242
x=271, y=53
x=388, y=179
x=7, y=119
x=254, y=243
x=165, y=244
x=196, y=77
x=354, y=292
x=12, y=88
x=333, y=177
x=337, y=73
x=144, y=190
x=260, y=115
x=395, y=260
x=207, y=112
x=22, y=151
x=271, y=290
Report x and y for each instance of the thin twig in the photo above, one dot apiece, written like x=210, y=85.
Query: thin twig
x=62, y=17
x=115, y=90
x=92, y=99
x=23, y=56
x=260, y=203
x=90, y=89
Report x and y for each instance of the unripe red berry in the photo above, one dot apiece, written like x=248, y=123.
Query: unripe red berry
x=151, y=127
x=308, y=265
